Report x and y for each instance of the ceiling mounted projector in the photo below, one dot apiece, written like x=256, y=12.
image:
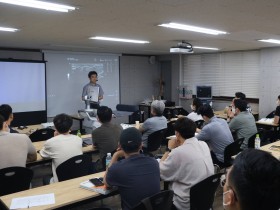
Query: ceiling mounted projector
x=182, y=47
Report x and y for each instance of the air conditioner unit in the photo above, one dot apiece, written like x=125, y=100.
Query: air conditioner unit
x=182, y=48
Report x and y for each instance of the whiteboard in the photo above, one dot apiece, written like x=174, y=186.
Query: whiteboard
x=67, y=73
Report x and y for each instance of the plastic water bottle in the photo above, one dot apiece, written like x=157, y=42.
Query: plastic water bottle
x=79, y=133
x=257, y=142
x=108, y=159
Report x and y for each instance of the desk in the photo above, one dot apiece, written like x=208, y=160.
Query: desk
x=66, y=193
x=39, y=145
x=29, y=129
x=266, y=148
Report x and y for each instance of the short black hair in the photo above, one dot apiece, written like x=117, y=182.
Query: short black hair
x=92, y=73
x=279, y=97
x=240, y=95
x=206, y=110
x=185, y=127
x=62, y=123
x=130, y=140
x=2, y=120
x=197, y=103
x=6, y=110
x=255, y=177
x=240, y=104
x=104, y=114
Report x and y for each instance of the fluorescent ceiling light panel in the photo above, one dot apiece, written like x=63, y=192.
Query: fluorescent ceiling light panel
x=40, y=5
x=192, y=28
x=8, y=29
x=119, y=40
x=275, y=41
x=206, y=48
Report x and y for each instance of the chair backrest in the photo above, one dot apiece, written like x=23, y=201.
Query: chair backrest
x=182, y=111
x=42, y=134
x=135, y=116
x=199, y=123
x=74, y=167
x=251, y=141
x=155, y=139
x=202, y=194
x=15, y=179
x=231, y=150
x=161, y=200
x=170, y=131
x=271, y=114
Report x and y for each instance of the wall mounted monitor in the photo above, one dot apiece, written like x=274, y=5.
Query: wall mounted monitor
x=204, y=92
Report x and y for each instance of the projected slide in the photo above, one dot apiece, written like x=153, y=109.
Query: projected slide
x=23, y=86
x=67, y=73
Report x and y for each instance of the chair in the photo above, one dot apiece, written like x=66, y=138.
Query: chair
x=231, y=150
x=154, y=141
x=170, y=131
x=251, y=141
x=135, y=116
x=199, y=123
x=42, y=134
x=182, y=111
x=15, y=179
x=74, y=167
x=161, y=200
x=202, y=194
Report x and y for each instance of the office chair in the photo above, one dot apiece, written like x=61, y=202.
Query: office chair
x=74, y=167
x=199, y=123
x=42, y=134
x=251, y=141
x=161, y=200
x=202, y=194
x=135, y=116
x=182, y=111
x=231, y=150
x=170, y=131
x=14, y=179
x=154, y=141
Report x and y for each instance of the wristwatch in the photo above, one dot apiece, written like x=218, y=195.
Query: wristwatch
x=167, y=149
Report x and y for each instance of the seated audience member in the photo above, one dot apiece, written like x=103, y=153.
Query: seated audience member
x=7, y=112
x=63, y=145
x=253, y=182
x=15, y=149
x=277, y=111
x=106, y=137
x=186, y=162
x=196, y=104
x=215, y=133
x=243, y=124
x=155, y=123
x=137, y=176
x=231, y=111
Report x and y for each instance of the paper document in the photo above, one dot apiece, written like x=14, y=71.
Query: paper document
x=125, y=126
x=47, y=124
x=30, y=201
x=266, y=120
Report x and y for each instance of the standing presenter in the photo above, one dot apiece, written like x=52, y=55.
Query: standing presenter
x=92, y=89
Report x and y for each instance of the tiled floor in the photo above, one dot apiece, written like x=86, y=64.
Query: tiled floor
x=112, y=202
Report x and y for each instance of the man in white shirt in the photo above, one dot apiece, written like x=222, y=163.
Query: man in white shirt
x=186, y=162
x=63, y=145
x=15, y=149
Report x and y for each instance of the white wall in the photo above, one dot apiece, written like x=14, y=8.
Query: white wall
x=270, y=80
x=138, y=79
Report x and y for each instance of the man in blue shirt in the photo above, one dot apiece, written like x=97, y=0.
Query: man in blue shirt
x=137, y=176
x=215, y=133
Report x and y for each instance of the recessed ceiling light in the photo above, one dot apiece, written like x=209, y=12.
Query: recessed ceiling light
x=192, y=28
x=8, y=29
x=40, y=5
x=119, y=40
x=275, y=41
x=206, y=48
